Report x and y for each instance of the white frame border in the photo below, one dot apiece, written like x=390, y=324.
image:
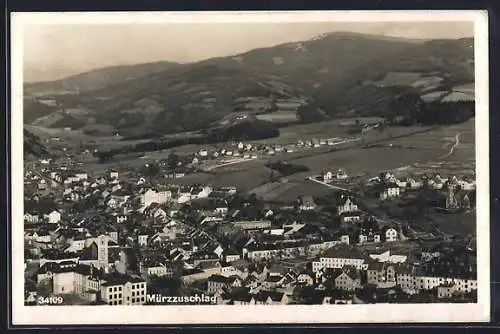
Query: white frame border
x=221, y=314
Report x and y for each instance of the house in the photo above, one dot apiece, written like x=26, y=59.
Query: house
x=231, y=256
x=381, y=274
x=341, y=175
x=349, y=280
x=200, y=192
x=350, y=217
x=54, y=217
x=153, y=268
x=368, y=237
x=306, y=278
x=123, y=290
x=391, y=191
x=142, y=239
x=270, y=298
x=113, y=174
x=327, y=177
x=306, y=203
x=218, y=283
x=31, y=218
x=346, y=205
x=391, y=235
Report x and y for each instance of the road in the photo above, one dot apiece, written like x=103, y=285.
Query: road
x=310, y=178
x=453, y=147
x=208, y=169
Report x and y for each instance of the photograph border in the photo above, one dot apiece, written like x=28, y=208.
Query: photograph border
x=291, y=314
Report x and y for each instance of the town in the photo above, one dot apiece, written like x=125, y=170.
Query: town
x=118, y=236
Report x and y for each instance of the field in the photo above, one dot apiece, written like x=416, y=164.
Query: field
x=280, y=116
x=459, y=160
x=461, y=224
x=427, y=151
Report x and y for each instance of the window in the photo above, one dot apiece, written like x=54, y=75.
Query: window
x=120, y=295
x=119, y=302
x=133, y=294
x=142, y=299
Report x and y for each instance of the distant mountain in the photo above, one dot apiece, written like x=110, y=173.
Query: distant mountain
x=97, y=79
x=333, y=75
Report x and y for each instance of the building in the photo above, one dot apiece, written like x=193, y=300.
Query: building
x=382, y=275
x=123, y=290
x=306, y=203
x=218, y=283
x=349, y=280
x=389, y=192
x=350, y=217
x=391, y=235
x=54, y=217
x=155, y=269
x=252, y=224
x=411, y=283
x=152, y=196
x=68, y=277
x=346, y=206
x=113, y=174
x=339, y=258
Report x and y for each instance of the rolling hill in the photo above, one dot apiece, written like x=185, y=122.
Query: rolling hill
x=333, y=75
x=97, y=79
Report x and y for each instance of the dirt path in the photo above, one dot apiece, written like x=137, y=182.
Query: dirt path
x=327, y=184
x=452, y=148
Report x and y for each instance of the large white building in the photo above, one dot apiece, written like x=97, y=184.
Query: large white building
x=414, y=283
x=152, y=196
x=339, y=258
x=124, y=290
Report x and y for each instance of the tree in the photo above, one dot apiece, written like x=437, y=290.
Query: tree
x=172, y=160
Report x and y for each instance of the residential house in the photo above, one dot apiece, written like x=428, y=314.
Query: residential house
x=54, y=217
x=306, y=203
x=391, y=235
x=346, y=205
x=270, y=298
x=381, y=274
x=218, y=283
x=349, y=279
x=390, y=191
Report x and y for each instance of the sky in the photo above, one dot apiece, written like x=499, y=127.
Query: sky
x=53, y=51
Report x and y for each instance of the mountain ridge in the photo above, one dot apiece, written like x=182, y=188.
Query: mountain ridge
x=328, y=73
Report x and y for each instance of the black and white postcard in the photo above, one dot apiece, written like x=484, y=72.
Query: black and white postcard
x=250, y=167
